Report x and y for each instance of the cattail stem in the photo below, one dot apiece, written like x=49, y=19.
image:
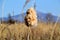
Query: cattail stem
x=29, y=31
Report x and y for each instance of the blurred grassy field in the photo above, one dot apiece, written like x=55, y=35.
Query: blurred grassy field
x=19, y=31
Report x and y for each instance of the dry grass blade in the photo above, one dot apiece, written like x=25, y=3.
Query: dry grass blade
x=51, y=38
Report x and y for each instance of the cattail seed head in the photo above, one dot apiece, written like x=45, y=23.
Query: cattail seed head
x=31, y=17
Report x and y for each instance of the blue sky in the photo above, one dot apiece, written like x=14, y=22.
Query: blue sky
x=45, y=6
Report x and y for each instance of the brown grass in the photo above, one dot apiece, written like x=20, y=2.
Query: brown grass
x=19, y=31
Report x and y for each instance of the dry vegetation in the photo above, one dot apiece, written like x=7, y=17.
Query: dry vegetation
x=19, y=31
